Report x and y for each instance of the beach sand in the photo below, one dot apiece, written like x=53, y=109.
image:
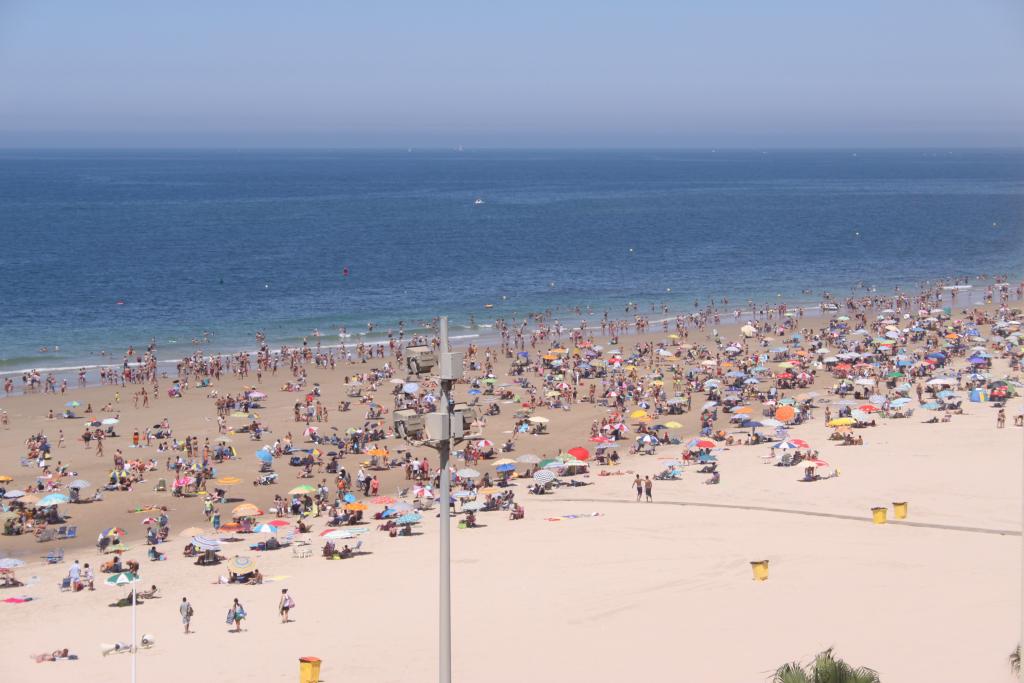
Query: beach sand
x=657, y=590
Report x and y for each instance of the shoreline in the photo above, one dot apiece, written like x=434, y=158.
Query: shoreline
x=69, y=370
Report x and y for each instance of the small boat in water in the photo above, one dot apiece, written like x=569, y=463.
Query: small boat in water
x=478, y=201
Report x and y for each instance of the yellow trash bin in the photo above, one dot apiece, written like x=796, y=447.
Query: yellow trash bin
x=899, y=510
x=760, y=569
x=309, y=669
x=879, y=514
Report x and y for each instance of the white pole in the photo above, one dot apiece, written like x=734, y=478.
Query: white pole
x=134, y=644
x=1020, y=645
x=445, y=589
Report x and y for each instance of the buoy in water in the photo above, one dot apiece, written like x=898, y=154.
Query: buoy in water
x=120, y=302
x=344, y=271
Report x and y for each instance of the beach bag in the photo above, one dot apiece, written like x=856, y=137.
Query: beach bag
x=231, y=616
x=288, y=602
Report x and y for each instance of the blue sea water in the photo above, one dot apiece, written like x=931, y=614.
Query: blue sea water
x=232, y=242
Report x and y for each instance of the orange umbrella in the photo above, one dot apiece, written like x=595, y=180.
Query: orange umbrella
x=376, y=451
x=355, y=506
x=743, y=410
x=785, y=413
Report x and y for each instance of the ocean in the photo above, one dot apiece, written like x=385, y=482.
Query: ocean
x=108, y=248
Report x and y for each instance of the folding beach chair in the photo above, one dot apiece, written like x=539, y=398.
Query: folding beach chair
x=62, y=533
x=46, y=535
x=65, y=584
x=72, y=532
x=55, y=556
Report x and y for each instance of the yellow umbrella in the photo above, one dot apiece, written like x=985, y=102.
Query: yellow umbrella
x=559, y=350
x=489, y=491
x=229, y=481
x=504, y=461
x=841, y=422
x=639, y=413
x=673, y=425
x=246, y=510
x=787, y=365
x=4, y=478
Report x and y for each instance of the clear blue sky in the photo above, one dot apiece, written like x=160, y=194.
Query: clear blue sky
x=398, y=73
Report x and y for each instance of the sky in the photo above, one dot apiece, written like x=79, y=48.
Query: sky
x=518, y=73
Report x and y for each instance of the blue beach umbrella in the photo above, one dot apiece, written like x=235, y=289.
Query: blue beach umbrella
x=264, y=456
x=349, y=498
x=508, y=467
x=411, y=518
x=53, y=499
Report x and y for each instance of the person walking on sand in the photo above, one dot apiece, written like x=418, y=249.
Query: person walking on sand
x=285, y=605
x=639, y=488
x=236, y=613
x=648, y=485
x=186, y=613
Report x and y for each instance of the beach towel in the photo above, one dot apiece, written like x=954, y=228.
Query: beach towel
x=559, y=519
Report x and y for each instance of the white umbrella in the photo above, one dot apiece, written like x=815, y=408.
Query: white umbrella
x=468, y=473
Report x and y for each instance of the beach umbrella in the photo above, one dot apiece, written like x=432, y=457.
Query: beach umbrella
x=72, y=404
x=508, y=467
x=488, y=491
x=246, y=510
x=301, y=489
x=10, y=563
x=868, y=408
x=205, y=543
x=461, y=494
x=484, y=443
x=932, y=405
x=411, y=518
x=265, y=455
x=539, y=420
x=14, y=493
x=229, y=481
x=841, y=422
x=191, y=531
x=784, y=413
x=579, y=453
x=257, y=394
x=121, y=579
x=543, y=477
x=474, y=505
x=349, y=498
x=356, y=507
x=673, y=425
x=110, y=421
x=336, y=534
x=528, y=459
x=5, y=478
x=377, y=451
x=468, y=473
x=241, y=564
x=79, y=484
x=146, y=521
x=899, y=402
x=112, y=531
x=265, y=529
x=815, y=463
x=503, y=461
x=791, y=444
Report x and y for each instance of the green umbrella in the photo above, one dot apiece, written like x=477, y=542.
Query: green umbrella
x=121, y=579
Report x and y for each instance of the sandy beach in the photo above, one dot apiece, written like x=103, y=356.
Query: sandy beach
x=591, y=584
